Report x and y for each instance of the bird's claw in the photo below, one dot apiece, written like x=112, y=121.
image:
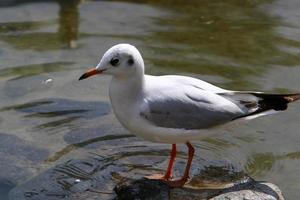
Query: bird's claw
x=168, y=181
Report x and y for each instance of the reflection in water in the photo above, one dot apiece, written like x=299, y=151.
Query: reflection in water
x=25, y=105
x=66, y=35
x=9, y=27
x=56, y=114
x=218, y=142
x=217, y=177
x=54, y=125
x=293, y=155
x=32, y=70
x=67, y=149
x=260, y=164
x=229, y=39
x=68, y=22
x=217, y=43
x=60, y=107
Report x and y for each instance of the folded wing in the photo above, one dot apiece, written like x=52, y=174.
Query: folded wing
x=190, y=107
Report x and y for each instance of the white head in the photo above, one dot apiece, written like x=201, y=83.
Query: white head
x=121, y=61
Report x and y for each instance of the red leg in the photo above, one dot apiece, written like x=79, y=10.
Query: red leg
x=168, y=173
x=185, y=177
x=180, y=182
x=190, y=159
x=171, y=162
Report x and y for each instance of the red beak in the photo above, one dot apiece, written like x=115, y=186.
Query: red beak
x=90, y=72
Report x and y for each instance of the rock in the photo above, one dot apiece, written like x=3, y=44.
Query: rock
x=144, y=189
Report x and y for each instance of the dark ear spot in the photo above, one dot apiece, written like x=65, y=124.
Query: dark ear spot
x=114, y=62
x=130, y=61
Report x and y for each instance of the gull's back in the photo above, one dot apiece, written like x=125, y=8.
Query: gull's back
x=186, y=103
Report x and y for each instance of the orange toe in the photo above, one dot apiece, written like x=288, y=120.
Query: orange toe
x=171, y=183
x=176, y=183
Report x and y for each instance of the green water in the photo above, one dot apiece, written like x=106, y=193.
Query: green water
x=48, y=117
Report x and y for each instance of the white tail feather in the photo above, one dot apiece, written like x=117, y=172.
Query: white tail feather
x=269, y=112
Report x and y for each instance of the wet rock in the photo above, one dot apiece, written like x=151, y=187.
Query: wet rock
x=145, y=189
x=142, y=189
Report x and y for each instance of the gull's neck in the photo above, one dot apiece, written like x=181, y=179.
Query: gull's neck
x=125, y=95
x=127, y=87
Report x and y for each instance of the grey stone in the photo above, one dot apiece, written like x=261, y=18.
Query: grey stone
x=145, y=189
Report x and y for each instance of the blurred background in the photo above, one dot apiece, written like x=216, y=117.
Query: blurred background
x=47, y=117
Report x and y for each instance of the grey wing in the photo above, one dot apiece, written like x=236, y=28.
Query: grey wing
x=189, y=108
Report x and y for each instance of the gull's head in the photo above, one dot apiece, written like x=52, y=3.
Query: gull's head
x=121, y=60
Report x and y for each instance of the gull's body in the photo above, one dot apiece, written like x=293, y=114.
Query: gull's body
x=176, y=109
x=171, y=97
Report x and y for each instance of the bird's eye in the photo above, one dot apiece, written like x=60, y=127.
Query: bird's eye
x=130, y=61
x=114, y=62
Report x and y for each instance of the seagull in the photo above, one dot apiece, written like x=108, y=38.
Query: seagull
x=176, y=109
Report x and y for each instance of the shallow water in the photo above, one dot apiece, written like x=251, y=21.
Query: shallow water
x=48, y=117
